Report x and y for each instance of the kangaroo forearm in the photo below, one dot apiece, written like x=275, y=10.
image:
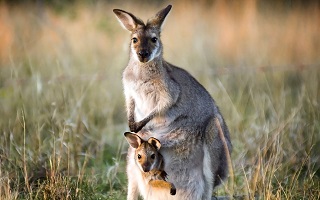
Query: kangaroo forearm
x=166, y=99
x=130, y=114
x=130, y=109
x=139, y=125
x=155, y=112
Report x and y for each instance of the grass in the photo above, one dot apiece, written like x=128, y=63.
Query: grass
x=62, y=107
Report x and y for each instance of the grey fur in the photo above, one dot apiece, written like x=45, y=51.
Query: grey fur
x=166, y=102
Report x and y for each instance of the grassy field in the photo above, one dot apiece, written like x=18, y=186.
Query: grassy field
x=62, y=113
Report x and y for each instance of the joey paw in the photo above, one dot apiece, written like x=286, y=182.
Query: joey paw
x=173, y=191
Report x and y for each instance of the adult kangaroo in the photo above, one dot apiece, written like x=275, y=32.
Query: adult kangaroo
x=165, y=102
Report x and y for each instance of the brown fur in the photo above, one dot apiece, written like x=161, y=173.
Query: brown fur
x=150, y=161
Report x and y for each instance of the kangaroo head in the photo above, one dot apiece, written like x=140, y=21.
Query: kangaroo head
x=145, y=38
x=147, y=154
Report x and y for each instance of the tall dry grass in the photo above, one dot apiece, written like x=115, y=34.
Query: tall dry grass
x=62, y=109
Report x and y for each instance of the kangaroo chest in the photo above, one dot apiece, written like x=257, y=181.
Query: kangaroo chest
x=147, y=94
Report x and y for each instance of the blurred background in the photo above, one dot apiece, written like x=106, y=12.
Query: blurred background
x=62, y=105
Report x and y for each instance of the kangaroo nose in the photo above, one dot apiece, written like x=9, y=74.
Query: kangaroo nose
x=145, y=168
x=143, y=53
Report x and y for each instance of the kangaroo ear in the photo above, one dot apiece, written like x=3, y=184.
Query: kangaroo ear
x=154, y=142
x=128, y=20
x=133, y=139
x=159, y=18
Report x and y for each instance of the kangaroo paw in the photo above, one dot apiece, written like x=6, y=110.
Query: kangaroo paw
x=173, y=191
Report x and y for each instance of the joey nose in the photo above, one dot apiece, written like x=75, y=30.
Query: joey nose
x=145, y=168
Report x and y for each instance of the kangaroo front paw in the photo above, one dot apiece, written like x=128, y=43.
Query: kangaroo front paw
x=133, y=127
x=136, y=126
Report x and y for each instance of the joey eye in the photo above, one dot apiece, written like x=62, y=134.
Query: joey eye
x=134, y=40
x=139, y=156
x=154, y=39
x=153, y=156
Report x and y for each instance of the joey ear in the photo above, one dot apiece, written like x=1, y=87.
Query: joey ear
x=128, y=20
x=154, y=142
x=159, y=18
x=133, y=139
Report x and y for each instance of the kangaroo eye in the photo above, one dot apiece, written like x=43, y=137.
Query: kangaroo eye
x=134, y=40
x=153, y=156
x=154, y=39
x=139, y=156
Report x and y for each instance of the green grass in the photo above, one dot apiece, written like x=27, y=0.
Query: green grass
x=62, y=106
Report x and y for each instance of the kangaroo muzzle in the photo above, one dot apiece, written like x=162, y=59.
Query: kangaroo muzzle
x=144, y=55
x=145, y=167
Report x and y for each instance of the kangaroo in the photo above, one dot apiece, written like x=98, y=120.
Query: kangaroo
x=165, y=102
x=149, y=161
